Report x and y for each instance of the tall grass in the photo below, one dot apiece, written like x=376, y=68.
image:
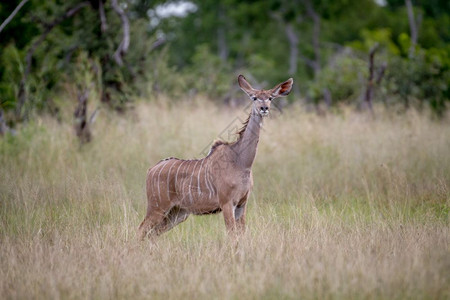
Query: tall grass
x=342, y=207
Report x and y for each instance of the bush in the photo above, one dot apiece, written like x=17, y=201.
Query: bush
x=422, y=79
x=344, y=77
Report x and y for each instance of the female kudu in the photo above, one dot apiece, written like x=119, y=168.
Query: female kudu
x=219, y=182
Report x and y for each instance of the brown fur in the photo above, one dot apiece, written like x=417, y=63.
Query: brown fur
x=243, y=128
x=240, y=133
x=221, y=181
x=217, y=144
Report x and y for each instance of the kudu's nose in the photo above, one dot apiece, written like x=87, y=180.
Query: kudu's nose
x=264, y=108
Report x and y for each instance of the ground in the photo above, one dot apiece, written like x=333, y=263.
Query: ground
x=344, y=206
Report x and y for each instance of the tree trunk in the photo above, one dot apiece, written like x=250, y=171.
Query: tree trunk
x=293, y=47
x=315, y=37
x=412, y=27
x=327, y=97
x=82, y=129
x=222, y=46
x=101, y=11
x=370, y=81
x=3, y=126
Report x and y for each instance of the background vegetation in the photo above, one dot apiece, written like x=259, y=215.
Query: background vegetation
x=352, y=178
x=113, y=51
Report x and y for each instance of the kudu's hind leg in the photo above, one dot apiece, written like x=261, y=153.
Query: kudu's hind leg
x=157, y=222
x=152, y=221
x=173, y=218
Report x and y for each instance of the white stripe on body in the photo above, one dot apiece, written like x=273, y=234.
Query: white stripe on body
x=213, y=188
x=168, y=179
x=176, y=176
x=190, y=183
x=159, y=174
x=198, y=178
x=206, y=180
x=153, y=170
x=182, y=186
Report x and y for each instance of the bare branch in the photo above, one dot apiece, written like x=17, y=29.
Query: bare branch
x=101, y=11
x=125, y=43
x=309, y=62
x=13, y=14
x=94, y=116
x=158, y=43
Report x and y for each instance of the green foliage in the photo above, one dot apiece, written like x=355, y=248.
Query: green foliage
x=165, y=78
x=260, y=66
x=421, y=79
x=204, y=47
x=381, y=37
x=208, y=73
x=12, y=66
x=344, y=77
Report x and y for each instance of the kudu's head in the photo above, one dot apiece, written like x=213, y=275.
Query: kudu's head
x=262, y=98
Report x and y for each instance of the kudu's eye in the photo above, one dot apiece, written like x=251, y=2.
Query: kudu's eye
x=270, y=98
x=254, y=98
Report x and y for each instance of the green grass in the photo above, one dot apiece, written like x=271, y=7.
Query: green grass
x=343, y=207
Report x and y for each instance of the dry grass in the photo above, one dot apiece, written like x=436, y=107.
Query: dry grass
x=343, y=207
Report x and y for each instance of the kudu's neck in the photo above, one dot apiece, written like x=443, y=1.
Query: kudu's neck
x=245, y=147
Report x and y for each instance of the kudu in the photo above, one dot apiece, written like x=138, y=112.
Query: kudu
x=219, y=182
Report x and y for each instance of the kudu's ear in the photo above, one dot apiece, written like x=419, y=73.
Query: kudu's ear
x=282, y=89
x=245, y=86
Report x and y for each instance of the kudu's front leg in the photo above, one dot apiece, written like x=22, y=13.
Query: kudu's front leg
x=239, y=215
x=228, y=215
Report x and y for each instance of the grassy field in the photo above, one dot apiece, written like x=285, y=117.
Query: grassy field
x=343, y=207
